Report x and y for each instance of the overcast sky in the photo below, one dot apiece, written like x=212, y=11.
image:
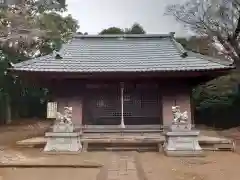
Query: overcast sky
x=95, y=15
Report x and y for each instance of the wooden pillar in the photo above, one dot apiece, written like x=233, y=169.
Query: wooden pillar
x=192, y=110
x=168, y=101
x=122, y=125
x=76, y=104
x=61, y=103
x=184, y=101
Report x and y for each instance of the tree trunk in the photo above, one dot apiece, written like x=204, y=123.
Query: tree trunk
x=237, y=30
x=234, y=42
x=8, y=117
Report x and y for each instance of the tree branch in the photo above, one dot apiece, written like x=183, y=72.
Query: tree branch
x=237, y=30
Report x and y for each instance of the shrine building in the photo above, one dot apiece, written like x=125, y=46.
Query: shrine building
x=109, y=79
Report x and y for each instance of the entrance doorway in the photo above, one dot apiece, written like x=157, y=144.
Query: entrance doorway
x=141, y=104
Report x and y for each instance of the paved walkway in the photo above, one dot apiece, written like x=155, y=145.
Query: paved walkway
x=122, y=166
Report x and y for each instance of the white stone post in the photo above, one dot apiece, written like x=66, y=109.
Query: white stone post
x=122, y=125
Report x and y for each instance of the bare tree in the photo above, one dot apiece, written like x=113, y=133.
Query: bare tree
x=217, y=19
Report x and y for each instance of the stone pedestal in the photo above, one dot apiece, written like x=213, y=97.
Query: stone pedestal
x=63, y=139
x=182, y=141
x=180, y=127
x=62, y=127
x=63, y=142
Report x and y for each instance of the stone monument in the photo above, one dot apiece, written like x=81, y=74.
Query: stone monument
x=63, y=138
x=181, y=139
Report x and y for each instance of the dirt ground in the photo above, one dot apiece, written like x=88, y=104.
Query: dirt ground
x=133, y=166
x=117, y=165
x=36, y=157
x=23, y=129
x=218, y=165
x=48, y=174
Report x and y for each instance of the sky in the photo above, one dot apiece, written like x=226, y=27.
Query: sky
x=96, y=15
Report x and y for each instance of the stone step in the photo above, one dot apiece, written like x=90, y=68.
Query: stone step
x=123, y=149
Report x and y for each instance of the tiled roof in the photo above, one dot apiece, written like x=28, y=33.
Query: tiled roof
x=122, y=53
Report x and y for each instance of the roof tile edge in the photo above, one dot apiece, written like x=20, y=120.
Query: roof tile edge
x=171, y=34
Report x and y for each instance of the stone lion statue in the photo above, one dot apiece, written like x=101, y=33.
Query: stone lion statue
x=179, y=117
x=66, y=117
x=63, y=121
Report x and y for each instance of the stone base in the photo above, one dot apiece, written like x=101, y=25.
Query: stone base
x=181, y=127
x=63, y=142
x=185, y=153
x=182, y=143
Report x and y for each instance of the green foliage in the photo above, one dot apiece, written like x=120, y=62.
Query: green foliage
x=112, y=30
x=32, y=31
x=59, y=30
x=135, y=29
x=58, y=27
x=221, y=91
x=217, y=102
x=218, y=92
x=43, y=5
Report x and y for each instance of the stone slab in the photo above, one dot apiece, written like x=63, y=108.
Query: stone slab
x=62, y=152
x=183, y=133
x=160, y=139
x=62, y=134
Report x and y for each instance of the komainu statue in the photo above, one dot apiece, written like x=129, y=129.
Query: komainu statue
x=63, y=138
x=179, y=117
x=63, y=121
x=66, y=117
x=181, y=140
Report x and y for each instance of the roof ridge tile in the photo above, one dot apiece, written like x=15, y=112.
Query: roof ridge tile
x=76, y=36
x=180, y=48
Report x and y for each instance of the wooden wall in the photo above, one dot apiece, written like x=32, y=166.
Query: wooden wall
x=173, y=93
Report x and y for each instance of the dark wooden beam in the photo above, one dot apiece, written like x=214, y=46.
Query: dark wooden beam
x=121, y=75
x=53, y=80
